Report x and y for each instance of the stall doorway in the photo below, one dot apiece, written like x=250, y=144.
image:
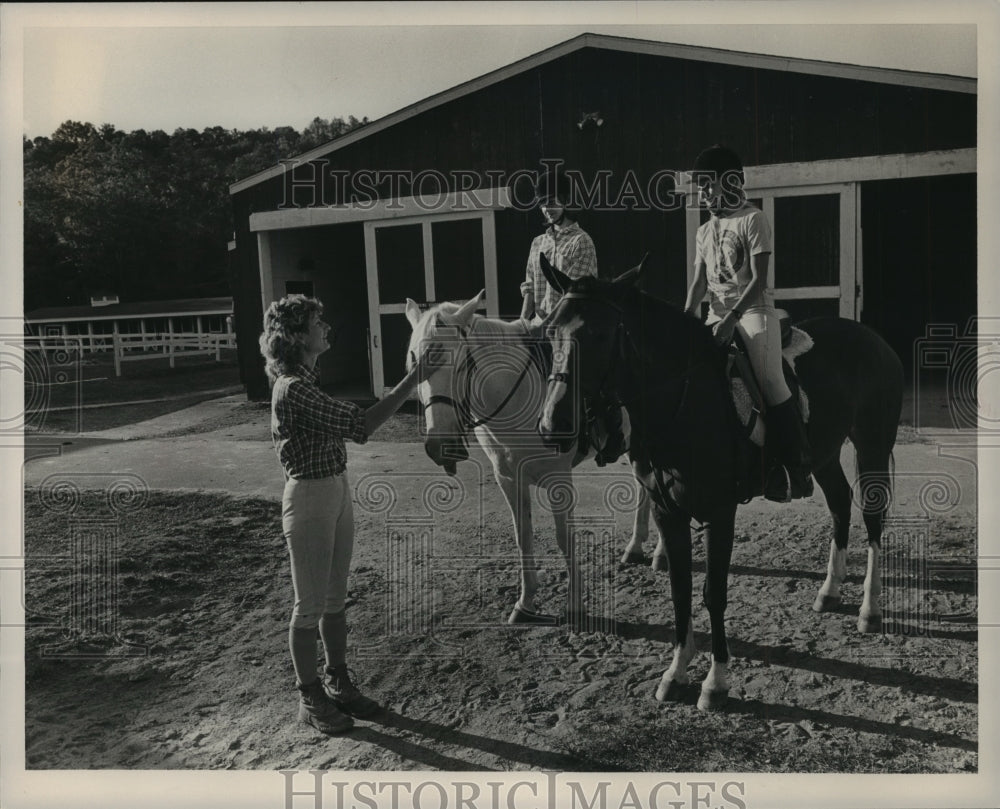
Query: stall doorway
x=444, y=257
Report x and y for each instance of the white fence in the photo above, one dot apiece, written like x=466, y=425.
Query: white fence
x=138, y=346
x=147, y=346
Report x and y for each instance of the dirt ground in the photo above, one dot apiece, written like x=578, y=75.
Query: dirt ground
x=196, y=675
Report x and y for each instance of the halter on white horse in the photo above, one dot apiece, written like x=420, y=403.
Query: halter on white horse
x=484, y=370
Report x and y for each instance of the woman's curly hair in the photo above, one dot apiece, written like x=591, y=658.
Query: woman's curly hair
x=284, y=321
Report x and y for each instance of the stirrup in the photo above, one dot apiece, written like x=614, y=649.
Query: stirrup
x=778, y=485
x=801, y=489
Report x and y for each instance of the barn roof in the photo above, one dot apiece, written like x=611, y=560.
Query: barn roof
x=815, y=67
x=179, y=307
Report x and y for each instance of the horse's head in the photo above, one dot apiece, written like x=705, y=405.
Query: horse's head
x=438, y=333
x=586, y=330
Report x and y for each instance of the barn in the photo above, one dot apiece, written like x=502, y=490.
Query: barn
x=867, y=176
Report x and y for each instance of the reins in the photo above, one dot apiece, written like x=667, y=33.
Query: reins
x=621, y=330
x=622, y=333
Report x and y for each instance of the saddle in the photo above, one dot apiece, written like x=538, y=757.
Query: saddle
x=746, y=390
x=748, y=400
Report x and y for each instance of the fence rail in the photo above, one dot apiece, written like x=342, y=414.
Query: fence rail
x=137, y=346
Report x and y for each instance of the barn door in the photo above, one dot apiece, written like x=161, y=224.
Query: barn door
x=814, y=267
x=815, y=264
x=445, y=257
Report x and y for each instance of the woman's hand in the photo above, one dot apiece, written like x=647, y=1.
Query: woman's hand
x=427, y=363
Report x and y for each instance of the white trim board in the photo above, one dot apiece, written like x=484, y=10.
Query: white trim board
x=861, y=169
x=146, y=315
x=907, y=78
x=454, y=204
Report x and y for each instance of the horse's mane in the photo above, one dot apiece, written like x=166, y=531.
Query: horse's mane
x=664, y=311
x=501, y=331
x=480, y=324
x=671, y=324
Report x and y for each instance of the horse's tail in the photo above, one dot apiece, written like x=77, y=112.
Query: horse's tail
x=874, y=437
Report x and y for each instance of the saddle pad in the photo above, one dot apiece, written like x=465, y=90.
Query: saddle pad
x=747, y=399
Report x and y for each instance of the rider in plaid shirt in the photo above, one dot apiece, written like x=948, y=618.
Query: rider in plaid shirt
x=565, y=244
x=569, y=249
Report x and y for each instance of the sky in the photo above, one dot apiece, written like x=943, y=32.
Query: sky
x=168, y=66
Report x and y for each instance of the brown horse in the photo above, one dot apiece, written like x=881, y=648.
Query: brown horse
x=685, y=449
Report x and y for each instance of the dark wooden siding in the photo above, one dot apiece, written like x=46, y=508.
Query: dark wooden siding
x=919, y=243
x=658, y=113
x=248, y=316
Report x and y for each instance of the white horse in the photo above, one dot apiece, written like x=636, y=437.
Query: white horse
x=488, y=379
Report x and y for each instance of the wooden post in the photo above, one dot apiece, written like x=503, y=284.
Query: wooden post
x=90, y=335
x=142, y=328
x=170, y=337
x=117, y=349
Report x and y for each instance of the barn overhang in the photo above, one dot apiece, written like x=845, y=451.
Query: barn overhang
x=484, y=199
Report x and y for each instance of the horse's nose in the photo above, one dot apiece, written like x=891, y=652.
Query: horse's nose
x=446, y=452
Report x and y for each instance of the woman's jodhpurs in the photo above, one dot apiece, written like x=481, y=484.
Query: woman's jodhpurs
x=317, y=518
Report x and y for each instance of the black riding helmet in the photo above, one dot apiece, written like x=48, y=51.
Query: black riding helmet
x=715, y=162
x=553, y=184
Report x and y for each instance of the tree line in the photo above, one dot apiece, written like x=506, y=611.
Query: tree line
x=144, y=215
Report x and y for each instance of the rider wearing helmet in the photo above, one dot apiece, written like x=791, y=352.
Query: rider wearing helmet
x=568, y=248
x=732, y=253
x=564, y=242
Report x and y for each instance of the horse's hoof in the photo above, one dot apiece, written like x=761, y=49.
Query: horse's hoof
x=576, y=620
x=660, y=563
x=869, y=624
x=712, y=700
x=824, y=603
x=522, y=616
x=671, y=691
x=633, y=558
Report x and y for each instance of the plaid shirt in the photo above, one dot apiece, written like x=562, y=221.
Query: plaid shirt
x=308, y=427
x=570, y=250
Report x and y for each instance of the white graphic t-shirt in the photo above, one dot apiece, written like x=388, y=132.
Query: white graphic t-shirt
x=725, y=243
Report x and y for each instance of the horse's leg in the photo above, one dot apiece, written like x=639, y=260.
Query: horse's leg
x=873, y=467
x=633, y=554
x=515, y=492
x=837, y=491
x=718, y=553
x=675, y=532
x=559, y=491
x=660, y=559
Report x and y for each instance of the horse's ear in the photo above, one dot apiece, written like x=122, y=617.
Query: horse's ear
x=465, y=311
x=558, y=280
x=412, y=312
x=631, y=276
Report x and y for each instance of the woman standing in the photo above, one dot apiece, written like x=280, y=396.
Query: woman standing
x=309, y=429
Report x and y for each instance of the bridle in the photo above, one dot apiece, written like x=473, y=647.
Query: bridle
x=624, y=341
x=618, y=347
x=461, y=407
